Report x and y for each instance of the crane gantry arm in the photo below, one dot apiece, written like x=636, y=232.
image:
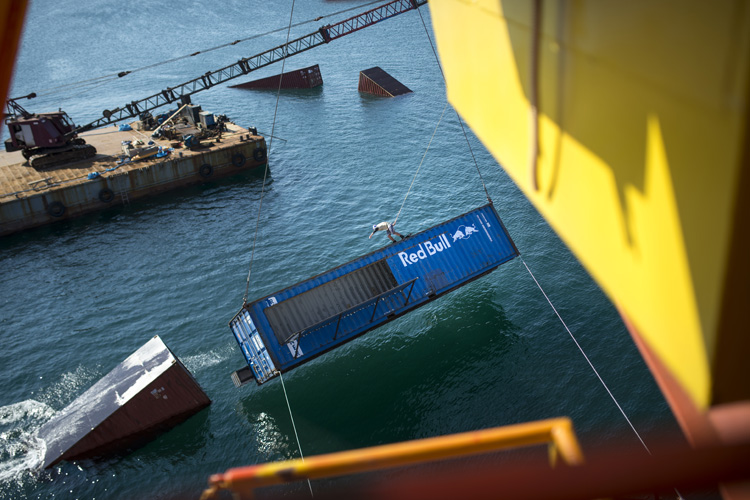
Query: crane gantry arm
x=247, y=64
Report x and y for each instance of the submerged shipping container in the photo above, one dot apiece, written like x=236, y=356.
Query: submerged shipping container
x=148, y=393
x=292, y=326
x=305, y=78
x=376, y=81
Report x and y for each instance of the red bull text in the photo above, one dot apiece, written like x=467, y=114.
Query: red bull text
x=424, y=250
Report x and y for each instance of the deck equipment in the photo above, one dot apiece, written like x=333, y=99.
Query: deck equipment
x=60, y=136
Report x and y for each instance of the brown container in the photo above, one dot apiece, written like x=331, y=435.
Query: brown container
x=377, y=82
x=305, y=78
x=147, y=394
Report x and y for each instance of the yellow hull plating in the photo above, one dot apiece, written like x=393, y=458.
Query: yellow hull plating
x=640, y=112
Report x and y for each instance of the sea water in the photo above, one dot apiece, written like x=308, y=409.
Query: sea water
x=80, y=296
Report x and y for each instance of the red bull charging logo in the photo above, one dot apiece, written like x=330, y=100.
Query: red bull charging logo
x=464, y=232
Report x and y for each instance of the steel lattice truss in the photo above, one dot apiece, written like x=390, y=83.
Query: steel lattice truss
x=249, y=64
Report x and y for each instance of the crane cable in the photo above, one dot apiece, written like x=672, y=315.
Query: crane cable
x=299, y=447
x=534, y=151
x=460, y=121
x=268, y=156
x=115, y=76
x=257, y=226
x=471, y=151
x=585, y=357
x=420, y=164
x=527, y=267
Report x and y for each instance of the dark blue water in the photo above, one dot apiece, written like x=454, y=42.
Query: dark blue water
x=78, y=297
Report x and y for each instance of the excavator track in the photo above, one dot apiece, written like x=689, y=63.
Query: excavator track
x=75, y=153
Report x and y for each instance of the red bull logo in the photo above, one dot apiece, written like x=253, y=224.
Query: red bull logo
x=425, y=250
x=464, y=232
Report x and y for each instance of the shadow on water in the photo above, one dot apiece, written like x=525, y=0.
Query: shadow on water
x=250, y=182
x=381, y=387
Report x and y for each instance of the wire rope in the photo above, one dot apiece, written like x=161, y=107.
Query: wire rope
x=120, y=74
x=268, y=156
x=420, y=164
x=299, y=446
x=460, y=121
x=585, y=356
x=257, y=225
x=529, y=270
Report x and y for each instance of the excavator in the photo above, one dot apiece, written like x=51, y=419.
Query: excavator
x=45, y=139
x=48, y=140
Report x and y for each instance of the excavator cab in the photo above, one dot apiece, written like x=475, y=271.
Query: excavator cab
x=45, y=139
x=34, y=132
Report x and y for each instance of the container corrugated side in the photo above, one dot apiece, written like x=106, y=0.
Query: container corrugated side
x=145, y=394
x=378, y=82
x=425, y=266
x=305, y=78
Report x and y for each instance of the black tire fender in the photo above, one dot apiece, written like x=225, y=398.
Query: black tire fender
x=259, y=154
x=56, y=209
x=206, y=170
x=106, y=195
x=238, y=159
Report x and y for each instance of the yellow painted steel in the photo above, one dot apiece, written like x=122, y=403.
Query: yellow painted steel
x=642, y=116
x=557, y=432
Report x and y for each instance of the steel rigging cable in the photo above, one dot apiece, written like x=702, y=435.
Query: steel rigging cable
x=536, y=21
x=257, y=225
x=420, y=164
x=463, y=129
x=460, y=121
x=120, y=74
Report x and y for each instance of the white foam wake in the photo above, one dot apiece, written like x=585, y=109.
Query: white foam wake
x=20, y=449
x=199, y=362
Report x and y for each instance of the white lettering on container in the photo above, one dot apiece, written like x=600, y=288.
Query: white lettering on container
x=424, y=250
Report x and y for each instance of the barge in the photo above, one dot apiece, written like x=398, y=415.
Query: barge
x=129, y=164
x=290, y=327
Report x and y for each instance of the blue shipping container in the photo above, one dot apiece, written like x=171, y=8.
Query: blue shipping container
x=294, y=325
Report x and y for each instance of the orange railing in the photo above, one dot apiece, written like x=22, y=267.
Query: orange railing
x=557, y=433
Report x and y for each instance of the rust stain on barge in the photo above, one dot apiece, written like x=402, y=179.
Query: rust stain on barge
x=30, y=197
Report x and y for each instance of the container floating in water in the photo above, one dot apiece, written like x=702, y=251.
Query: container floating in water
x=292, y=326
x=376, y=81
x=305, y=78
x=148, y=393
